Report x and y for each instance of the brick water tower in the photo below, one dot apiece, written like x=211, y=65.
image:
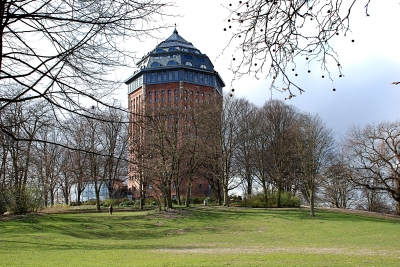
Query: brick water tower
x=173, y=76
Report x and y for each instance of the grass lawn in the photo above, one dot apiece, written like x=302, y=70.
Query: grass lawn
x=200, y=236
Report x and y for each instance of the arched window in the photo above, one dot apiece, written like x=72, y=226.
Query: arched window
x=189, y=64
x=172, y=63
x=202, y=66
x=155, y=64
x=172, y=49
x=160, y=51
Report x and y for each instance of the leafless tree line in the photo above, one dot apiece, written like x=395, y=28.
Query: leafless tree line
x=70, y=155
x=67, y=53
x=273, y=149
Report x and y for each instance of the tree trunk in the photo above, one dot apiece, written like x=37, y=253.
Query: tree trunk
x=141, y=195
x=226, y=196
x=97, y=192
x=311, y=193
x=188, y=194
x=177, y=192
x=279, y=195
x=265, y=193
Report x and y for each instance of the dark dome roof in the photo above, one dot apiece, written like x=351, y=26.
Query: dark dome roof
x=173, y=54
x=175, y=40
x=175, y=51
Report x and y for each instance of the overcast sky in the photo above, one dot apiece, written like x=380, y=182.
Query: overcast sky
x=364, y=95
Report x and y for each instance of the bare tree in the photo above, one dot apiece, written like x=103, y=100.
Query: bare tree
x=283, y=162
x=245, y=156
x=314, y=147
x=275, y=36
x=374, y=157
x=229, y=134
x=47, y=161
x=114, y=139
x=26, y=120
x=76, y=161
x=337, y=189
x=262, y=156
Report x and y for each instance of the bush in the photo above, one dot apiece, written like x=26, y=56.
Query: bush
x=24, y=200
x=128, y=203
x=257, y=201
x=90, y=202
x=3, y=206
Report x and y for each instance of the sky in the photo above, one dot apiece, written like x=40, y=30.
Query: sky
x=363, y=96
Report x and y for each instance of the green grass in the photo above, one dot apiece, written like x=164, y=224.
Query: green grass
x=200, y=236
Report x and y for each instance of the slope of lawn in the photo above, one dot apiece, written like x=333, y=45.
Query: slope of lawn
x=200, y=236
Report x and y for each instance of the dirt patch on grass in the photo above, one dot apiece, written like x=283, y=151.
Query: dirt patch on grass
x=362, y=212
x=266, y=250
x=170, y=214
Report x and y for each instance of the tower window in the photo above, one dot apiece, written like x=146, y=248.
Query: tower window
x=155, y=64
x=172, y=63
x=189, y=64
x=202, y=66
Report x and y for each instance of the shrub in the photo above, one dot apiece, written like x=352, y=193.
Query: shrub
x=257, y=201
x=128, y=203
x=89, y=202
x=109, y=202
x=24, y=200
x=3, y=206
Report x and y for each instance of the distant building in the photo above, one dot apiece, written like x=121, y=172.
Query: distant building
x=173, y=77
